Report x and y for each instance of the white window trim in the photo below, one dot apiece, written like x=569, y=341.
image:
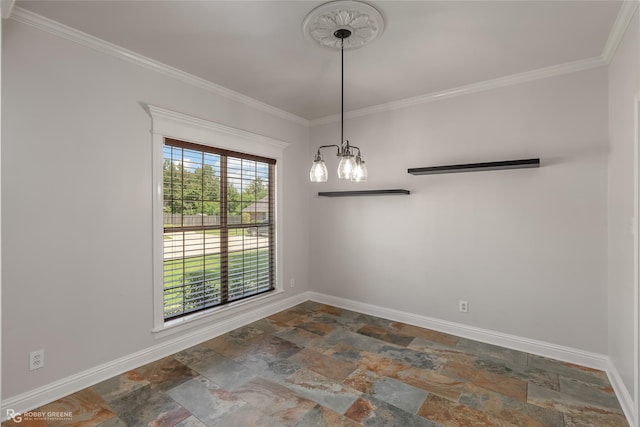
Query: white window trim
x=170, y=124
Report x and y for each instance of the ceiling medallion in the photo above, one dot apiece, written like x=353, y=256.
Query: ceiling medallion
x=364, y=21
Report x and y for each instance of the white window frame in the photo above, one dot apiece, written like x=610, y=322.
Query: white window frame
x=170, y=124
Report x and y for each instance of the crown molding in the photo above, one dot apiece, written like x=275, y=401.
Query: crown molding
x=7, y=7
x=623, y=19
x=53, y=27
x=626, y=12
x=514, y=79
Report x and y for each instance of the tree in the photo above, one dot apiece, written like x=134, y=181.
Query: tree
x=233, y=201
x=190, y=192
x=210, y=189
x=197, y=191
x=255, y=191
x=172, y=182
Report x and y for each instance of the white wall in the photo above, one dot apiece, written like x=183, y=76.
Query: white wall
x=526, y=248
x=624, y=84
x=76, y=201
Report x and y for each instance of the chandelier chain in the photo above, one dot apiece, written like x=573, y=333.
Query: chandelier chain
x=342, y=91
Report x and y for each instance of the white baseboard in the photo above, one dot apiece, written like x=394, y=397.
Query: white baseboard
x=66, y=386
x=61, y=388
x=541, y=348
x=624, y=396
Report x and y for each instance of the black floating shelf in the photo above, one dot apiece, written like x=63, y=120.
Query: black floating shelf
x=472, y=167
x=361, y=193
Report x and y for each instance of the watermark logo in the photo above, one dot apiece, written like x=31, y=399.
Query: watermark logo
x=18, y=417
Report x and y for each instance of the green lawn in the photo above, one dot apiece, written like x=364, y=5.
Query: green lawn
x=191, y=270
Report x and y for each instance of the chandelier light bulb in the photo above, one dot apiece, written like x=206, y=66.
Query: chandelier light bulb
x=346, y=167
x=360, y=172
x=318, y=172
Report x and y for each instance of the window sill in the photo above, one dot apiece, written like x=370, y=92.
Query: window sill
x=202, y=318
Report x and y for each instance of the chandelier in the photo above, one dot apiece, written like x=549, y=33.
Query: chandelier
x=342, y=24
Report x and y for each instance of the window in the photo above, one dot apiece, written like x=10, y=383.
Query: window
x=243, y=229
x=219, y=228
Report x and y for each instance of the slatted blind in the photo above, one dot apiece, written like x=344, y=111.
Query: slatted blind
x=219, y=227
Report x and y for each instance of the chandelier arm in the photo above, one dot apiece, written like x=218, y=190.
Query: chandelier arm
x=328, y=146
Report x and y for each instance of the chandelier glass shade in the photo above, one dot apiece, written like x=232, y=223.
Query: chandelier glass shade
x=318, y=171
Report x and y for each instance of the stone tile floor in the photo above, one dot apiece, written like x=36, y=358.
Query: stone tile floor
x=316, y=365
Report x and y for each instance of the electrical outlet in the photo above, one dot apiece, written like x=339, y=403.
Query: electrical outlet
x=292, y=282
x=36, y=360
x=464, y=306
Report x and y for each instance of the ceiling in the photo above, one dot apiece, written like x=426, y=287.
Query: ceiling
x=257, y=48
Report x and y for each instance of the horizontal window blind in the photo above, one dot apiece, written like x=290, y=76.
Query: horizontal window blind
x=219, y=227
